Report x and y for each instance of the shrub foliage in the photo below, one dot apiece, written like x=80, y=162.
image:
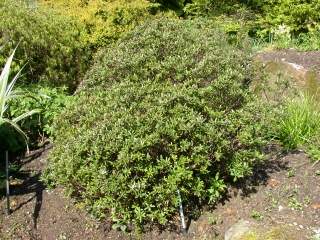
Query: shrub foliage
x=296, y=15
x=50, y=44
x=105, y=21
x=165, y=109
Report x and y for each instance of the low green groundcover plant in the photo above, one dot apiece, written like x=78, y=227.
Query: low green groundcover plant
x=167, y=108
x=50, y=101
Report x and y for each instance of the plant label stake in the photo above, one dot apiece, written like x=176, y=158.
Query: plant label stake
x=7, y=183
x=183, y=223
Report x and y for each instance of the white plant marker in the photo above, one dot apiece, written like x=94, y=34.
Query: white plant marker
x=183, y=223
x=7, y=184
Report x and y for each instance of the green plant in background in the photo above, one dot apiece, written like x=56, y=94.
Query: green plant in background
x=52, y=45
x=281, y=23
x=6, y=94
x=299, y=122
x=106, y=21
x=168, y=107
x=297, y=15
x=51, y=101
x=308, y=41
x=256, y=215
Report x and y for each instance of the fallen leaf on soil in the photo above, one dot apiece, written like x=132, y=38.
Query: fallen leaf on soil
x=273, y=182
x=230, y=211
x=13, y=203
x=316, y=206
x=15, y=182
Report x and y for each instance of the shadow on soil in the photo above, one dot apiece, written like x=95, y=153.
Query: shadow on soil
x=30, y=184
x=261, y=175
x=245, y=187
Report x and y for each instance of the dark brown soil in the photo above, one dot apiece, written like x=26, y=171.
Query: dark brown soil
x=284, y=191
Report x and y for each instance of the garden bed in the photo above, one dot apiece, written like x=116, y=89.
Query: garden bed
x=281, y=193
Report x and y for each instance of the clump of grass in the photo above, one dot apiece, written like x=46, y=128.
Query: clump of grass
x=299, y=123
x=304, y=42
x=274, y=233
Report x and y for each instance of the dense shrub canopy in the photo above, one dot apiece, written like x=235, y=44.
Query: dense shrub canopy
x=295, y=15
x=171, y=50
x=105, y=21
x=162, y=110
x=298, y=16
x=50, y=44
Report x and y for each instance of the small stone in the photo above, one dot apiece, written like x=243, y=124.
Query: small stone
x=13, y=203
x=237, y=230
x=280, y=208
x=294, y=223
x=317, y=231
x=315, y=206
x=300, y=226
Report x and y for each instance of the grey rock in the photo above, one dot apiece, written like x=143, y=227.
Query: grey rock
x=237, y=230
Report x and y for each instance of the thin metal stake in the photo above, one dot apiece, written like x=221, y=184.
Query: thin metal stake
x=183, y=223
x=7, y=183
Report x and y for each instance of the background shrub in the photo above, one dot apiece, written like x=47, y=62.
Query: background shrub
x=105, y=21
x=50, y=44
x=165, y=109
x=265, y=19
x=276, y=20
x=296, y=16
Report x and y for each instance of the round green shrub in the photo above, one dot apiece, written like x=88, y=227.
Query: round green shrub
x=165, y=109
x=49, y=44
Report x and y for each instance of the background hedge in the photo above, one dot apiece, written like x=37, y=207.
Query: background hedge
x=51, y=45
x=106, y=21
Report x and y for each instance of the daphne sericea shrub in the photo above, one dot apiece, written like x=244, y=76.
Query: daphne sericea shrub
x=166, y=108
